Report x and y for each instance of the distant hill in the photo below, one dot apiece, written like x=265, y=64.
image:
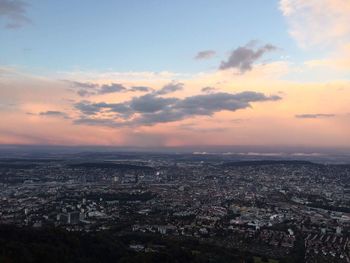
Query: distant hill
x=110, y=165
x=18, y=165
x=268, y=162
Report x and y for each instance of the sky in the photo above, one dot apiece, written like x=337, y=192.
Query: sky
x=161, y=73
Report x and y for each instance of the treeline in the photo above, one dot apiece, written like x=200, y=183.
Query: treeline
x=29, y=245
x=55, y=245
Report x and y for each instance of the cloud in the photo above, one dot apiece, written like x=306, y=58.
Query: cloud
x=170, y=88
x=314, y=116
x=88, y=108
x=14, y=11
x=150, y=103
x=152, y=109
x=244, y=57
x=140, y=88
x=87, y=89
x=83, y=85
x=206, y=54
x=85, y=93
x=208, y=89
x=111, y=88
x=90, y=89
x=317, y=22
x=51, y=113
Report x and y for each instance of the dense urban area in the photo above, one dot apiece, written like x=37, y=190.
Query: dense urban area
x=173, y=208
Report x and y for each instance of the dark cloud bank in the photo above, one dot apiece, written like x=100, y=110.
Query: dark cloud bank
x=152, y=108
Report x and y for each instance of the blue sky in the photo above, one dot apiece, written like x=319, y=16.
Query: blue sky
x=139, y=35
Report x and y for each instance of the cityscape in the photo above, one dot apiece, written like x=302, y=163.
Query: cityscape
x=162, y=131
x=273, y=209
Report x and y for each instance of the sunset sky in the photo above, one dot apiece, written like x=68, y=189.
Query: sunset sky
x=156, y=73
